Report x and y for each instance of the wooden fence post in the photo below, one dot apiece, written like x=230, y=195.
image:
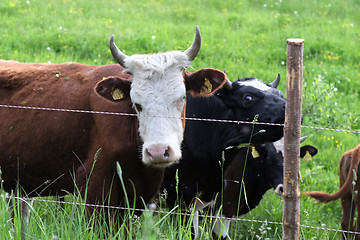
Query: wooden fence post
x=292, y=133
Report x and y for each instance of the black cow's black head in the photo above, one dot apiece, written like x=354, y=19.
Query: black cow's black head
x=275, y=162
x=274, y=166
x=252, y=100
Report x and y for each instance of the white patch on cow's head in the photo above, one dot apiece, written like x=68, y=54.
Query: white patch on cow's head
x=279, y=146
x=256, y=83
x=158, y=94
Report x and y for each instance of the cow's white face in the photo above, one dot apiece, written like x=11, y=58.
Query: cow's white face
x=158, y=95
x=157, y=91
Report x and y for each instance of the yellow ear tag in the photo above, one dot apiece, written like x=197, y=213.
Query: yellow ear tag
x=307, y=157
x=104, y=78
x=206, y=88
x=254, y=152
x=117, y=94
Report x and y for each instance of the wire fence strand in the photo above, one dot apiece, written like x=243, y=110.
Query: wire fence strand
x=173, y=213
x=356, y=131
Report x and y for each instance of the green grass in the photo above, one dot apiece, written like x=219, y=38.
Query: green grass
x=247, y=38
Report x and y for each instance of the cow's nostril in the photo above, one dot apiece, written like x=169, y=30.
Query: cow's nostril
x=166, y=154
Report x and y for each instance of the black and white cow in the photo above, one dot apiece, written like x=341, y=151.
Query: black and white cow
x=204, y=141
x=199, y=171
x=248, y=173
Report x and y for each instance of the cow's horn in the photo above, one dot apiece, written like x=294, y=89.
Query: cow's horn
x=227, y=84
x=302, y=139
x=193, y=50
x=118, y=55
x=275, y=83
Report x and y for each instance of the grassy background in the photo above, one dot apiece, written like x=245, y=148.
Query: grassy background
x=247, y=38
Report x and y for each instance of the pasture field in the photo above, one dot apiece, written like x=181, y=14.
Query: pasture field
x=245, y=37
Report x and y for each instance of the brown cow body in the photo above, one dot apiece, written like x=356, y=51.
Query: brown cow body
x=348, y=193
x=43, y=150
x=38, y=148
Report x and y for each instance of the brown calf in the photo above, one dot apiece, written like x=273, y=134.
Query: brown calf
x=348, y=192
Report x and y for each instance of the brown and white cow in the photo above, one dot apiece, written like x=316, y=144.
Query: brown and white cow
x=348, y=192
x=45, y=152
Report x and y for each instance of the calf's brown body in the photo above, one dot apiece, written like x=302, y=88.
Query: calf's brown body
x=348, y=193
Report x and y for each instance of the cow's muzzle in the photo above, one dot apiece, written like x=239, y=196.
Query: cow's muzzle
x=159, y=155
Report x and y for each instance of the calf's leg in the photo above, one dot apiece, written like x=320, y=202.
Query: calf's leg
x=357, y=205
x=348, y=210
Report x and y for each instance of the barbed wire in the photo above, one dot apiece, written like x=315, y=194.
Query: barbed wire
x=173, y=213
x=186, y=118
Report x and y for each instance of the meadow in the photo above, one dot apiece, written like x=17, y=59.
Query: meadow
x=247, y=38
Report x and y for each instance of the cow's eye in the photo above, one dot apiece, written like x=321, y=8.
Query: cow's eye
x=248, y=98
x=137, y=107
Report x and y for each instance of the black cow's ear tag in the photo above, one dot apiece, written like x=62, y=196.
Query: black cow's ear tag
x=307, y=156
x=206, y=88
x=117, y=94
x=254, y=152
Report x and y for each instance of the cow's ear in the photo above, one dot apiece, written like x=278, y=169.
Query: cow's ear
x=308, y=151
x=204, y=82
x=113, y=88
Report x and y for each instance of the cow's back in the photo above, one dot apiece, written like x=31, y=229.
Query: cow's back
x=39, y=147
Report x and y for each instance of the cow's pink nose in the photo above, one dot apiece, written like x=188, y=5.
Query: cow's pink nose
x=158, y=153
